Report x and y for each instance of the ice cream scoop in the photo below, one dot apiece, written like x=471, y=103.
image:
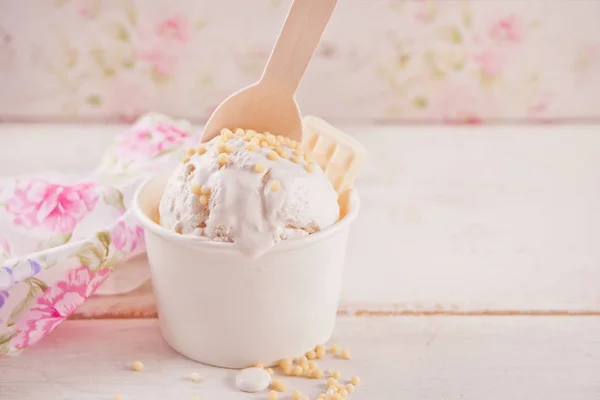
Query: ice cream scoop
x=251, y=189
x=269, y=104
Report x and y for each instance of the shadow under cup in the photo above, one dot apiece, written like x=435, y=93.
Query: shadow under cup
x=219, y=307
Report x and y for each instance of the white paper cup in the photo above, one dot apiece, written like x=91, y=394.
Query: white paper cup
x=219, y=307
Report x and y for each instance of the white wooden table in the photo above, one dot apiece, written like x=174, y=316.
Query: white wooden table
x=397, y=358
x=492, y=233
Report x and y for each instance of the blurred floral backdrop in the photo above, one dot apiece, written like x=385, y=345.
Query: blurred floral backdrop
x=462, y=61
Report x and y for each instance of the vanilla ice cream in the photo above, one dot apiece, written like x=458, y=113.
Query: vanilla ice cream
x=250, y=189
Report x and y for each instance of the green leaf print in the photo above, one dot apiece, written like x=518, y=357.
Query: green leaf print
x=164, y=152
x=55, y=241
x=275, y=4
x=38, y=282
x=122, y=33
x=90, y=255
x=486, y=80
x=93, y=100
x=420, y=102
x=432, y=64
x=108, y=72
x=451, y=34
x=459, y=65
x=5, y=338
x=113, y=261
x=534, y=24
x=128, y=64
x=115, y=198
x=159, y=78
x=104, y=238
x=130, y=11
x=467, y=17
x=199, y=25
x=403, y=60
x=36, y=288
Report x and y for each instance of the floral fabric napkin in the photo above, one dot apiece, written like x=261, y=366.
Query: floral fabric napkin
x=61, y=235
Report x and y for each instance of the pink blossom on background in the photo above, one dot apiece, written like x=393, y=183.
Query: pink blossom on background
x=463, y=119
x=4, y=245
x=457, y=104
x=161, y=61
x=127, y=238
x=85, y=12
x=128, y=100
x=161, y=46
x=174, y=28
x=539, y=107
x=491, y=62
x=426, y=12
x=57, y=207
x=509, y=29
x=4, y=249
x=149, y=142
x=56, y=304
x=88, y=9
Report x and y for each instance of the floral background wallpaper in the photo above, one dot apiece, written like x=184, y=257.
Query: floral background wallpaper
x=456, y=61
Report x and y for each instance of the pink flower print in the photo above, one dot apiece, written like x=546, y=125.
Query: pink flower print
x=149, y=142
x=509, y=29
x=539, y=107
x=56, y=304
x=127, y=238
x=463, y=119
x=161, y=62
x=88, y=9
x=491, y=62
x=57, y=207
x=85, y=12
x=4, y=249
x=458, y=104
x=162, y=45
x=174, y=28
x=426, y=12
x=128, y=101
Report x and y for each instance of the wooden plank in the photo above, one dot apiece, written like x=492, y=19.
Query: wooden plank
x=450, y=358
x=491, y=219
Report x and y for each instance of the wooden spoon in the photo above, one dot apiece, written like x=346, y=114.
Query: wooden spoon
x=269, y=104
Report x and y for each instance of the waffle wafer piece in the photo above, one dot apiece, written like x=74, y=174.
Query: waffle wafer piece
x=339, y=155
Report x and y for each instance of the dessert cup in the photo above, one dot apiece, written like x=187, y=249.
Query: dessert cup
x=219, y=307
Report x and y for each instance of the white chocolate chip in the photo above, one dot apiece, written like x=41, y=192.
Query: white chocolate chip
x=195, y=377
x=275, y=186
x=223, y=158
x=252, y=380
x=137, y=366
x=196, y=189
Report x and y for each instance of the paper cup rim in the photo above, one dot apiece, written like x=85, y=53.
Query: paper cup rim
x=211, y=245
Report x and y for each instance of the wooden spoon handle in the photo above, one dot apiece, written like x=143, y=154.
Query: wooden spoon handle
x=296, y=43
